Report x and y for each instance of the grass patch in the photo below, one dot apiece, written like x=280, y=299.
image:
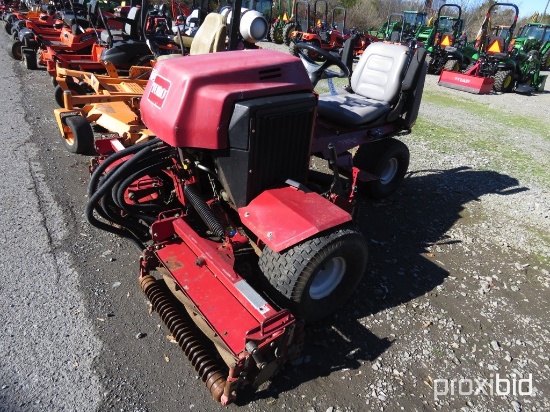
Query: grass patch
x=536, y=125
x=500, y=155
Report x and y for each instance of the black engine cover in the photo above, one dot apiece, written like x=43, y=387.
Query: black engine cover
x=269, y=142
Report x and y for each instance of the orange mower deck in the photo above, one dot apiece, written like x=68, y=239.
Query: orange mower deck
x=113, y=105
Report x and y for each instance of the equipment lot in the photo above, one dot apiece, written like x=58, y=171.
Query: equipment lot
x=455, y=293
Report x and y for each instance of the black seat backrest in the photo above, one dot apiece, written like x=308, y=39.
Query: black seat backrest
x=132, y=27
x=413, y=85
x=348, y=51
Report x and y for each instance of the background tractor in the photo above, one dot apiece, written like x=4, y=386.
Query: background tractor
x=500, y=66
x=444, y=40
x=535, y=36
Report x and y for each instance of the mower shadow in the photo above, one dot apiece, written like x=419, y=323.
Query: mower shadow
x=400, y=231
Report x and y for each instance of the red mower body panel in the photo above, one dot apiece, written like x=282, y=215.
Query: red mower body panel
x=188, y=101
x=284, y=217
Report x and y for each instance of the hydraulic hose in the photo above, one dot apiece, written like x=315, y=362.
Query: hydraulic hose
x=138, y=210
x=150, y=163
x=140, y=152
x=98, y=172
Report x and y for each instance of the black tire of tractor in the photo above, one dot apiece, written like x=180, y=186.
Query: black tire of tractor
x=76, y=90
x=14, y=50
x=388, y=159
x=452, y=65
x=545, y=61
x=82, y=140
x=15, y=35
x=315, y=277
x=8, y=27
x=54, y=82
x=58, y=95
x=289, y=28
x=292, y=49
x=504, y=81
x=276, y=34
x=30, y=60
x=144, y=60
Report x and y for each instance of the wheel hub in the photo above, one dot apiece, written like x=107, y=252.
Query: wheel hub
x=389, y=172
x=328, y=278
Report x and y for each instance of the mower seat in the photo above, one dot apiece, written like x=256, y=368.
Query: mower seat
x=211, y=36
x=130, y=28
x=376, y=84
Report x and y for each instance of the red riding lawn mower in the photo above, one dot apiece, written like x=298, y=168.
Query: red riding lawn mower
x=319, y=32
x=76, y=33
x=247, y=242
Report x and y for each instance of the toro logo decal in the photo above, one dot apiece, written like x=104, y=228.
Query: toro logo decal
x=158, y=91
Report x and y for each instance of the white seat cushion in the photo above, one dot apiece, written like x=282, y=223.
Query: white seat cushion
x=351, y=109
x=376, y=82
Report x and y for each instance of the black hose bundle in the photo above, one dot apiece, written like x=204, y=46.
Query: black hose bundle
x=106, y=191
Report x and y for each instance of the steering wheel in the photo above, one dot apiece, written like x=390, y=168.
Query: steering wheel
x=316, y=70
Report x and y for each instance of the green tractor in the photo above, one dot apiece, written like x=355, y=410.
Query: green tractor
x=500, y=65
x=281, y=25
x=535, y=36
x=446, y=46
x=400, y=26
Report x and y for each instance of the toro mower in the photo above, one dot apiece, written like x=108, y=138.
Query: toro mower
x=240, y=243
x=500, y=66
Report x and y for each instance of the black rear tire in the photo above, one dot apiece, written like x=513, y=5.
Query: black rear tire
x=289, y=28
x=30, y=60
x=81, y=138
x=276, y=34
x=545, y=61
x=144, y=60
x=388, y=159
x=315, y=277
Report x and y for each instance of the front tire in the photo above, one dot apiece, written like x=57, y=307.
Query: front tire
x=504, y=81
x=14, y=50
x=315, y=277
x=388, y=159
x=452, y=65
x=81, y=137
